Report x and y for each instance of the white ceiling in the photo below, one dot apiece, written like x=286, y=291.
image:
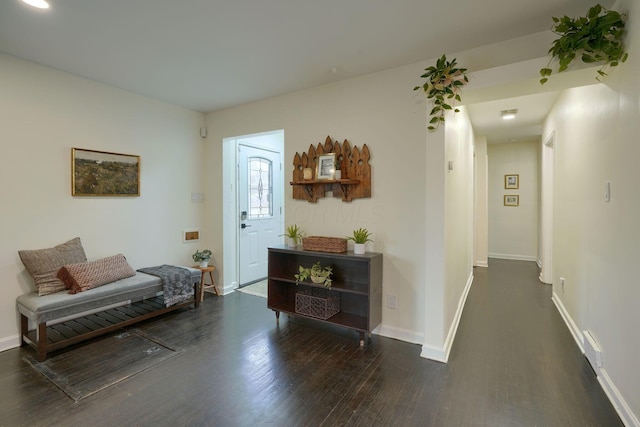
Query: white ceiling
x=207, y=55
x=527, y=125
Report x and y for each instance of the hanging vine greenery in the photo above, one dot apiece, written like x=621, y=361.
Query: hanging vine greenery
x=597, y=38
x=444, y=81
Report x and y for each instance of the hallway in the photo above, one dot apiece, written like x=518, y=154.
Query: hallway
x=513, y=363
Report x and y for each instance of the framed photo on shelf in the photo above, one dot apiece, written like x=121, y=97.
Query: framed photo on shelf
x=325, y=168
x=511, y=200
x=100, y=173
x=511, y=182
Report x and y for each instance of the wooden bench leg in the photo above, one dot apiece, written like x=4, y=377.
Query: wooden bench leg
x=196, y=294
x=42, y=342
x=24, y=329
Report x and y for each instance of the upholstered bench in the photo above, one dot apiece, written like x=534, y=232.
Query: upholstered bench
x=140, y=292
x=78, y=299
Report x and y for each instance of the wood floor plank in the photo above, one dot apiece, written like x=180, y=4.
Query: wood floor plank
x=513, y=363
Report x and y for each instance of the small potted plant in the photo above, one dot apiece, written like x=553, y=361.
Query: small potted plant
x=202, y=257
x=316, y=273
x=293, y=234
x=360, y=237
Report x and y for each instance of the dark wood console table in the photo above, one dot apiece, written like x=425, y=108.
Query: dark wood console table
x=357, y=278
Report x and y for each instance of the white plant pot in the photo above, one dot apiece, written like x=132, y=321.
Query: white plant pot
x=358, y=248
x=204, y=264
x=291, y=242
x=338, y=174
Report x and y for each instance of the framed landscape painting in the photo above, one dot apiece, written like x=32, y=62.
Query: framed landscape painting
x=100, y=173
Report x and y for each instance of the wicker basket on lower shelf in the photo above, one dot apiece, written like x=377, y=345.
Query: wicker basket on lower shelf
x=324, y=244
x=318, y=303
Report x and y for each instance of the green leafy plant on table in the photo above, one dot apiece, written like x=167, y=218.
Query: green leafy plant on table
x=316, y=273
x=361, y=236
x=597, y=38
x=294, y=233
x=444, y=81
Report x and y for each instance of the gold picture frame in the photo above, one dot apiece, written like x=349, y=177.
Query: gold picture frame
x=511, y=200
x=326, y=167
x=512, y=182
x=104, y=174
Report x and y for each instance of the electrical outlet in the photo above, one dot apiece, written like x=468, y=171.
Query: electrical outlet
x=392, y=301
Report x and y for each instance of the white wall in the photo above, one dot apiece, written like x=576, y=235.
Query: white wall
x=459, y=179
x=513, y=231
x=596, y=245
x=481, y=224
x=390, y=119
x=44, y=114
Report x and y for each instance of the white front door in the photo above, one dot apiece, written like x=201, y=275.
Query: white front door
x=259, y=204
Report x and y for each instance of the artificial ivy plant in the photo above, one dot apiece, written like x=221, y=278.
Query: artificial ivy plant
x=597, y=38
x=444, y=81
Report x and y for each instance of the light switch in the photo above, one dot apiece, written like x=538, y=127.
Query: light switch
x=607, y=191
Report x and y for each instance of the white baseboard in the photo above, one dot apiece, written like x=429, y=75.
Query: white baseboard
x=481, y=264
x=514, y=257
x=539, y=263
x=624, y=412
x=399, y=334
x=7, y=343
x=433, y=353
x=573, y=328
x=622, y=408
x=226, y=290
x=442, y=354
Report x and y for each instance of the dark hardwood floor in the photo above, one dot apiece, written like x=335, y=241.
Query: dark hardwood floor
x=513, y=363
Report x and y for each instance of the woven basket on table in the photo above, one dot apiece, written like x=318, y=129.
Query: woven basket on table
x=324, y=244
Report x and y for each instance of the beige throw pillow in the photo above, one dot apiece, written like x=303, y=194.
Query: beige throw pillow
x=43, y=264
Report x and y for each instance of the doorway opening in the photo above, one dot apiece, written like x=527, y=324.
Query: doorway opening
x=253, y=205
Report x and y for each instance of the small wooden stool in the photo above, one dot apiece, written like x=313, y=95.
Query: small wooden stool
x=203, y=285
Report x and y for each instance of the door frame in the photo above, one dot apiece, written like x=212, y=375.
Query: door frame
x=271, y=140
x=547, y=179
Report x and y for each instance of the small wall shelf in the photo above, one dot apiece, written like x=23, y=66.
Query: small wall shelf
x=354, y=167
x=340, y=188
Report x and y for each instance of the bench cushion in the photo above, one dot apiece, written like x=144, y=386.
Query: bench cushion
x=55, y=306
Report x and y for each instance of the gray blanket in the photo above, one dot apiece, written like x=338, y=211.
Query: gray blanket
x=176, y=282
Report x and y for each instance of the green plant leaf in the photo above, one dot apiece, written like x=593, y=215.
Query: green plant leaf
x=596, y=37
x=444, y=81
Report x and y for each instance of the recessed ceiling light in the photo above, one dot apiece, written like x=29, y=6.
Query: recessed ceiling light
x=509, y=114
x=40, y=4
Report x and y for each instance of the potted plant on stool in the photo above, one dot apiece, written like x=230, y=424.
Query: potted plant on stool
x=202, y=258
x=360, y=237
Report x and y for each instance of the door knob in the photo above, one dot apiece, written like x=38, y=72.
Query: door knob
x=244, y=226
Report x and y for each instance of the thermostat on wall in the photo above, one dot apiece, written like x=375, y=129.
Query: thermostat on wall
x=191, y=235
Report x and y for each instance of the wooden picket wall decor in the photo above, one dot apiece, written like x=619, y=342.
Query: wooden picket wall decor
x=354, y=166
